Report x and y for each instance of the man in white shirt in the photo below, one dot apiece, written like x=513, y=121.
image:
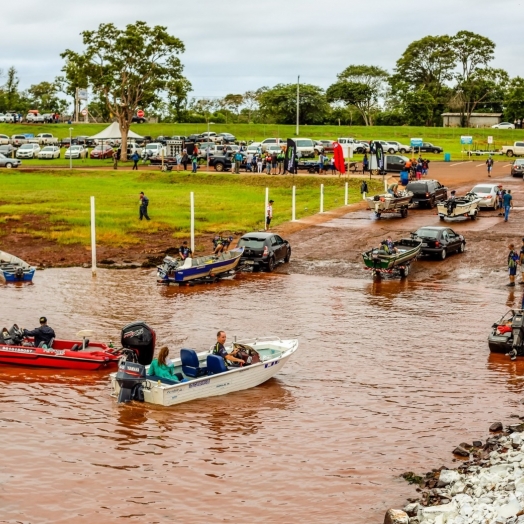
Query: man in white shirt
x=269, y=214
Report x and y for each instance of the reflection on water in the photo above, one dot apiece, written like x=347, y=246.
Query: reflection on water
x=389, y=376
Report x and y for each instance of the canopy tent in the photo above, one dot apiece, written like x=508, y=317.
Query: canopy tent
x=113, y=132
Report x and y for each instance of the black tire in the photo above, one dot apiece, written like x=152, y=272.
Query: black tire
x=441, y=218
x=403, y=151
x=443, y=254
x=432, y=203
x=462, y=247
x=509, y=153
x=404, y=212
x=8, y=165
x=391, y=151
x=270, y=264
x=288, y=256
x=219, y=167
x=436, y=151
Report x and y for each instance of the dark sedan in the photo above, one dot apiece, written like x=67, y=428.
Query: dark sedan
x=517, y=168
x=264, y=250
x=428, y=147
x=440, y=241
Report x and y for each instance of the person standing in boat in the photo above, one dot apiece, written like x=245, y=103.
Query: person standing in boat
x=219, y=349
x=42, y=335
x=184, y=250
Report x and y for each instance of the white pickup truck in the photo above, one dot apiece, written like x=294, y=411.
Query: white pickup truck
x=44, y=139
x=517, y=149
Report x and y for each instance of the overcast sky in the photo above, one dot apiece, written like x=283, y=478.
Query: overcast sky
x=236, y=45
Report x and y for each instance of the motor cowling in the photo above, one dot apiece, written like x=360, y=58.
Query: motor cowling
x=140, y=338
x=130, y=377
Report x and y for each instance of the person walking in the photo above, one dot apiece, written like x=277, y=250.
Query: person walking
x=269, y=214
x=365, y=163
x=508, y=204
x=115, y=159
x=135, y=158
x=144, y=202
x=513, y=259
x=489, y=164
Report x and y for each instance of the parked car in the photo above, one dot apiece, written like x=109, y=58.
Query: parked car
x=44, y=139
x=401, y=148
x=49, y=152
x=224, y=162
x=327, y=145
x=517, y=149
x=517, y=168
x=388, y=147
x=305, y=146
x=488, y=194
x=8, y=162
x=101, y=152
x=394, y=163
x=153, y=149
x=274, y=148
x=428, y=147
x=253, y=148
x=440, y=241
x=272, y=141
x=4, y=140
x=7, y=150
x=18, y=140
x=75, y=152
x=7, y=118
x=28, y=151
x=427, y=192
x=227, y=137
x=138, y=120
x=209, y=136
x=504, y=125
x=34, y=118
x=264, y=250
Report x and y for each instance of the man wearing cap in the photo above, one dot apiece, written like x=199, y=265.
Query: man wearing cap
x=42, y=335
x=144, y=202
x=269, y=214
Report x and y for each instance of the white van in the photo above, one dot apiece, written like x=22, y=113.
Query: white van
x=153, y=149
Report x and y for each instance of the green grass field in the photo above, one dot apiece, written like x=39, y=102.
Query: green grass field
x=223, y=203
x=447, y=138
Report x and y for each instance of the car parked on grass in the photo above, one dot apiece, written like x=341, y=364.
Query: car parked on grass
x=34, y=118
x=4, y=140
x=138, y=120
x=488, y=194
x=328, y=145
x=8, y=162
x=18, y=140
x=440, y=241
x=101, y=152
x=227, y=137
x=264, y=250
x=517, y=168
x=401, y=148
x=428, y=147
x=7, y=150
x=28, y=151
x=388, y=147
x=427, y=192
x=49, y=152
x=503, y=125
x=75, y=152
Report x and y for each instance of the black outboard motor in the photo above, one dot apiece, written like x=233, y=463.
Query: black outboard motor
x=130, y=376
x=517, y=330
x=141, y=339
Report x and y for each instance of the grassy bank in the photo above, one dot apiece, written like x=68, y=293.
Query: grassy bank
x=448, y=138
x=54, y=205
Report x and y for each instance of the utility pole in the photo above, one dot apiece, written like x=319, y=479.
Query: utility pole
x=298, y=104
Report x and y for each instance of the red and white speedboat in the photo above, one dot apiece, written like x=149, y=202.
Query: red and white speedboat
x=138, y=344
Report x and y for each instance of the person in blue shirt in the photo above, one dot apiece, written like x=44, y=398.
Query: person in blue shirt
x=135, y=158
x=144, y=202
x=507, y=200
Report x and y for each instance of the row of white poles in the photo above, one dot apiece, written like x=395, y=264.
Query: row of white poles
x=192, y=207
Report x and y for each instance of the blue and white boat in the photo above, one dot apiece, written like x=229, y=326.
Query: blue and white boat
x=14, y=269
x=209, y=267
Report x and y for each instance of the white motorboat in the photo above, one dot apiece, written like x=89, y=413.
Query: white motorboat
x=466, y=206
x=205, y=374
x=387, y=203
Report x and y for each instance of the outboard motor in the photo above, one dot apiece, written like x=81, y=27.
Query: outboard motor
x=517, y=330
x=130, y=376
x=141, y=339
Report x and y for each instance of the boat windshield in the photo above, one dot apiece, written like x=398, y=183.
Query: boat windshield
x=427, y=233
x=252, y=242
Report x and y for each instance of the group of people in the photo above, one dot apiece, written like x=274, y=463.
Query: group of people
x=270, y=163
x=504, y=202
x=417, y=168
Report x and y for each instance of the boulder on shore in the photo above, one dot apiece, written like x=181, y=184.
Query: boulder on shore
x=496, y=426
x=396, y=516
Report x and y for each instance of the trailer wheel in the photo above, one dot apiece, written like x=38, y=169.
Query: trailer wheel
x=404, y=272
x=474, y=216
x=404, y=212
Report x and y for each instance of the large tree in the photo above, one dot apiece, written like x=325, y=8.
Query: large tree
x=361, y=86
x=514, y=99
x=280, y=104
x=127, y=68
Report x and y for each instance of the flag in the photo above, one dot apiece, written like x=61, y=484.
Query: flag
x=289, y=160
x=338, y=154
x=380, y=156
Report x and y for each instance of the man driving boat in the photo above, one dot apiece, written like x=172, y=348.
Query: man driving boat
x=219, y=349
x=42, y=335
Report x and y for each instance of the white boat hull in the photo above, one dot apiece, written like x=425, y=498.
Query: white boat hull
x=237, y=379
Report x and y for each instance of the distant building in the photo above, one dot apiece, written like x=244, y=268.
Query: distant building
x=476, y=119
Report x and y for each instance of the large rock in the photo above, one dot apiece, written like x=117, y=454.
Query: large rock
x=445, y=511
x=460, y=451
x=447, y=477
x=412, y=509
x=496, y=426
x=396, y=516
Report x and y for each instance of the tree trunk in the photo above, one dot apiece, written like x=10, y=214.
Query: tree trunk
x=124, y=125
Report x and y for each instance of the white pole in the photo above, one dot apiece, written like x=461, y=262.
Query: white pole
x=385, y=184
x=192, y=204
x=293, y=207
x=321, y=198
x=70, y=144
x=93, y=237
x=265, y=206
x=346, y=191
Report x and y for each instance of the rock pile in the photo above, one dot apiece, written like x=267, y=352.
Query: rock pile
x=486, y=489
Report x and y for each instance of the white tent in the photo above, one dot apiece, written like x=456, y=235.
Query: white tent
x=113, y=132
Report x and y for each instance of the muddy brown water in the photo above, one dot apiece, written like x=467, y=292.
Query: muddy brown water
x=389, y=376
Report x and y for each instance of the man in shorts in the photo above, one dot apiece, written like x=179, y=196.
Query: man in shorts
x=513, y=260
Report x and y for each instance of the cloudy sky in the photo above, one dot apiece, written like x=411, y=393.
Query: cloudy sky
x=237, y=45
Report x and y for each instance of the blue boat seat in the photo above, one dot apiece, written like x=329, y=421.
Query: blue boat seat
x=216, y=365
x=190, y=364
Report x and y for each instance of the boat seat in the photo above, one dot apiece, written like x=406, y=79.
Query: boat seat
x=216, y=365
x=190, y=364
x=382, y=252
x=169, y=382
